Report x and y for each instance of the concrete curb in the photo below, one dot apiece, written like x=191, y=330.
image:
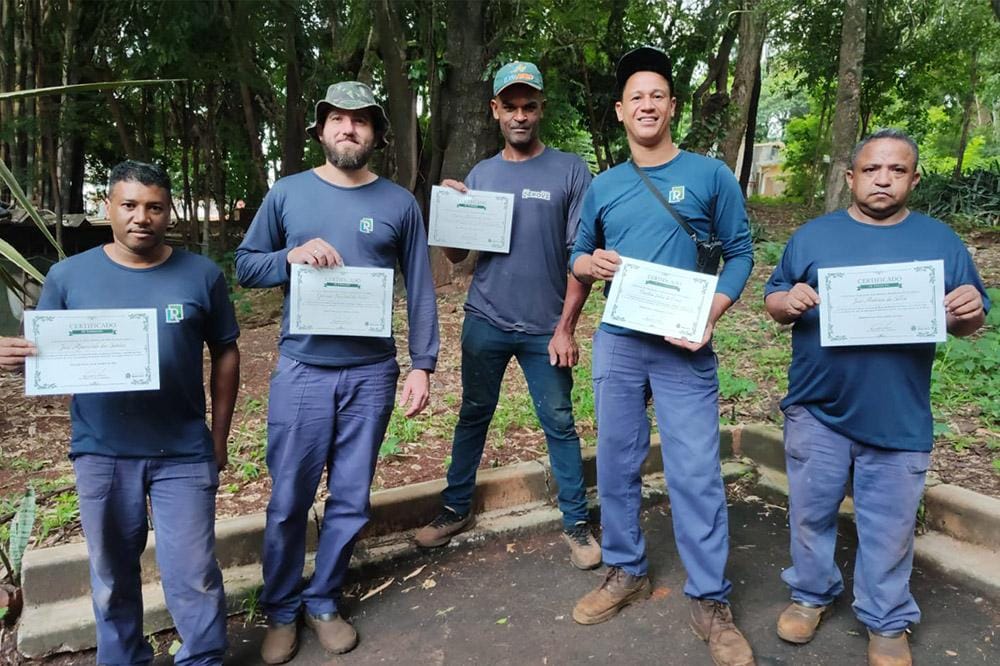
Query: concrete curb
x=58, y=615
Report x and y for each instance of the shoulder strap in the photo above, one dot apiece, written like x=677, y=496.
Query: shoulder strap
x=670, y=209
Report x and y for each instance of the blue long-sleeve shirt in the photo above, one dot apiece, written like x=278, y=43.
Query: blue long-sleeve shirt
x=378, y=224
x=636, y=225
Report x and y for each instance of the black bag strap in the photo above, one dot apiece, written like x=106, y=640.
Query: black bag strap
x=670, y=209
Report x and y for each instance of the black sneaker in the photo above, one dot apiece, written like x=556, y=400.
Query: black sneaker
x=440, y=530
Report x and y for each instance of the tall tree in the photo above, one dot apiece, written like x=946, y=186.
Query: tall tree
x=390, y=27
x=753, y=28
x=847, y=110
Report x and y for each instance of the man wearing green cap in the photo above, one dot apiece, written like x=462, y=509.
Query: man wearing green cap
x=522, y=304
x=331, y=396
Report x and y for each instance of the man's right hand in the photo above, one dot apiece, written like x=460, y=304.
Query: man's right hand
x=316, y=252
x=455, y=185
x=13, y=351
x=795, y=303
x=604, y=264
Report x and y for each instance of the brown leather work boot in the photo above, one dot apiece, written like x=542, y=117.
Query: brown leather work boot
x=618, y=590
x=888, y=650
x=712, y=621
x=584, y=551
x=798, y=623
x=281, y=642
x=445, y=525
x=335, y=634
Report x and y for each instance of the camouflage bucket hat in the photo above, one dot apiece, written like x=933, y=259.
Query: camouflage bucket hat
x=352, y=95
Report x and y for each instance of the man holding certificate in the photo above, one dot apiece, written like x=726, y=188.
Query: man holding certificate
x=132, y=445
x=331, y=237
x=865, y=289
x=637, y=214
x=521, y=304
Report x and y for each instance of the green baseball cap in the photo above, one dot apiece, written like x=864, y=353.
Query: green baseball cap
x=517, y=72
x=351, y=95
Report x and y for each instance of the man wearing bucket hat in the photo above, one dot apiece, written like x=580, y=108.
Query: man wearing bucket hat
x=522, y=305
x=626, y=213
x=331, y=396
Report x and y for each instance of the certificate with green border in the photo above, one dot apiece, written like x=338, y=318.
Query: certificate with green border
x=882, y=304
x=346, y=300
x=92, y=351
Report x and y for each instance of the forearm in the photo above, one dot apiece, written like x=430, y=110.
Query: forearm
x=720, y=303
x=258, y=268
x=576, y=296
x=581, y=271
x=223, y=387
x=775, y=306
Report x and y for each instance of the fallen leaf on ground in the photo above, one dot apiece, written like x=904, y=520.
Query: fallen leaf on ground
x=502, y=620
x=371, y=593
x=951, y=653
x=415, y=572
x=428, y=584
x=510, y=547
x=660, y=593
x=444, y=612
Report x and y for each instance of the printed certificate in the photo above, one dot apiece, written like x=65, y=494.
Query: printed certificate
x=882, y=304
x=345, y=300
x=660, y=300
x=472, y=221
x=91, y=351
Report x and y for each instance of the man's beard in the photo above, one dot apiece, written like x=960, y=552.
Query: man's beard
x=349, y=160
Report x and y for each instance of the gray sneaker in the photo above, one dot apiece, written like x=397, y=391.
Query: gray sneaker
x=440, y=530
x=584, y=551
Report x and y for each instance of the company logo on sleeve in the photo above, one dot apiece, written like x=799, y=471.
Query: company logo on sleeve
x=676, y=194
x=367, y=225
x=174, y=313
x=544, y=195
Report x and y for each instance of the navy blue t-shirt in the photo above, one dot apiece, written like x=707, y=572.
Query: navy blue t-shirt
x=169, y=422
x=376, y=225
x=636, y=225
x=524, y=290
x=879, y=394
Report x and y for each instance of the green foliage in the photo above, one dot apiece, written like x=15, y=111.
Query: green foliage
x=732, y=387
x=967, y=373
x=804, y=150
x=19, y=534
x=768, y=253
x=975, y=197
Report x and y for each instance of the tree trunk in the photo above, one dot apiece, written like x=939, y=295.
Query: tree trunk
x=392, y=40
x=969, y=103
x=70, y=76
x=470, y=132
x=595, y=130
x=706, y=108
x=294, y=144
x=846, y=110
x=247, y=70
x=753, y=27
x=8, y=9
x=751, y=135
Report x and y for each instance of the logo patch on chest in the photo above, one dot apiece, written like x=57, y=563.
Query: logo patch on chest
x=676, y=194
x=174, y=313
x=544, y=195
x=367, y=225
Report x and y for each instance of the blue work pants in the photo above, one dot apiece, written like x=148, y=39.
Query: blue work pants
x=113, y=493
x=320, y=419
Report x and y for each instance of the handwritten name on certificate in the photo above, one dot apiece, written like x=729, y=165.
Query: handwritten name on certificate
x=882, y=304
x=346, y=300
x=660, y=300
x=473, y=220
x=91, y=351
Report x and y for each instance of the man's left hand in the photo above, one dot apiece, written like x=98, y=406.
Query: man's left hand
x=964, y=302
x=684, y=343
x=563, y=350
x=221, y=457
x=416, y=392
